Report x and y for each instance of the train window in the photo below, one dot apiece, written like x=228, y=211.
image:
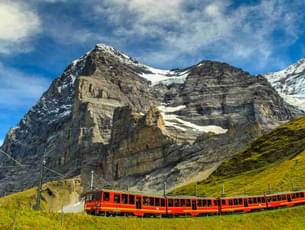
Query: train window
x=215, y=202
x=279, y=197
x=283, y=197
x=259, y=200
x=204, y=203
x=263, y=200
x=293, y=195
x=106, y=196
x=157, y=201
x=223, y=202
x=268, y=199
x=298, y=195
x=176, y=202
x=131, y=199
x=124, y=198
x=255, y=200
x=145, y=201
x=117, y=199
x=230, y=202
x=235, y=202
x=97, y=196
x=170, y=203
x=199, y=203
x=187, y=203
x=240, y=201
x=302, y=195
x=182, y=202
x=151, y=201
x=209, y=203
x=162, y=202
x=250, y=201
x=274, y=198
x=88, y=197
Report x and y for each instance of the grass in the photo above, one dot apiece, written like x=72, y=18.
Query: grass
x=15, y=213
x=22, y=218
x=275, y=160
x=54, y=195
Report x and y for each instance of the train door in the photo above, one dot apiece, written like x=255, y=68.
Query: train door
x=246, y=202
x=138, y=202
x=194, y=205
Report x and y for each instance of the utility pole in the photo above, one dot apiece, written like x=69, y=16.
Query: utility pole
x=39, y=189
x=196, y=189
x=222, y=189
x=91, y=182
x=164, y=188
x=292, y=185
x=269, y=188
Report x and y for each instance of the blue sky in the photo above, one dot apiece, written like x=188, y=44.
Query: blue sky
x=39, y=38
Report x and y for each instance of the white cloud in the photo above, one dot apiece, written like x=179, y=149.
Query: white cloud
x=195, y=28
x=19, y=89
x=18, y=25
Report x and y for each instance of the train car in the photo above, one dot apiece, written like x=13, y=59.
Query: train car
x=207, y=206
x=113, y=203
x=296, y=198
x=232, y=204
x=285, y=199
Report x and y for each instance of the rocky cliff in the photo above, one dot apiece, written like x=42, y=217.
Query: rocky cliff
x=138, y=126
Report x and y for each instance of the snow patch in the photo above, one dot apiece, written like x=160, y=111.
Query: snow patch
x=168, y=109
x=165, y=77
x=173, y=120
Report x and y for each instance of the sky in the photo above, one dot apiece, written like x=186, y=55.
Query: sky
x=39, y=38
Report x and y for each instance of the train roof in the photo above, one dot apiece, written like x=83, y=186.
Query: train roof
x=189, y=197
x=149, y=194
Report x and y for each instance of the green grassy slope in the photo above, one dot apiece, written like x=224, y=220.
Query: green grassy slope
x=276, y=158
x=13, y=217
x=54, y=195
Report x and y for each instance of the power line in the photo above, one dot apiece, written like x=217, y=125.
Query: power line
x=11, y=158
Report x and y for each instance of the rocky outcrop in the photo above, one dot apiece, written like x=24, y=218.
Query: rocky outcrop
x=138, y=126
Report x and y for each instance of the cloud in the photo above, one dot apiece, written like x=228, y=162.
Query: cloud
x=245, y=33
x=19, y=89
x=18, y=25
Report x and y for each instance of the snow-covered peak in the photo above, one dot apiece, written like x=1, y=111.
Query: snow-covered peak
x=292, y=70
x=165, y=77
x=122, y=57
x=290, y=83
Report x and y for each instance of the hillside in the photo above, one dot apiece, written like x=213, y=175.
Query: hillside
x=17, y=216
x=54, y=195
x=274, y=161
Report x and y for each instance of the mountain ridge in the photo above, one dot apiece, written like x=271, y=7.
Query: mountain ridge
x=182, y=124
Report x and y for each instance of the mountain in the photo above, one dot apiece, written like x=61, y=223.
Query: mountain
x=136, y=126
x=273, y=162
x=290, y=83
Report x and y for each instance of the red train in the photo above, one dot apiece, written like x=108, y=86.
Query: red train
x=112, y=203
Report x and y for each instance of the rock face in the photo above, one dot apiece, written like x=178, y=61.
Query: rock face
x=290, y=83
x=137, y=126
